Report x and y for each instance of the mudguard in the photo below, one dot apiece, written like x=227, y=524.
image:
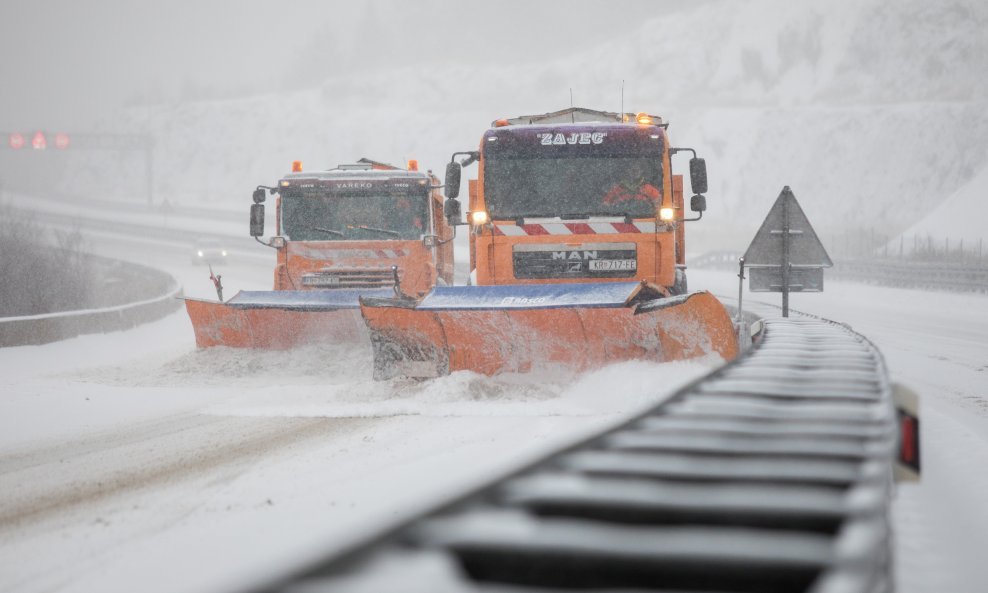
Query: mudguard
x=515, y=328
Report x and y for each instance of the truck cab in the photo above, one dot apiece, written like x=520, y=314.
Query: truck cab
x=577, y=196
x=352, y=226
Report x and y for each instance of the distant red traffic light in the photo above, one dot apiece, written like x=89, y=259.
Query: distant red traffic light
x=16, y=140
x=61, y=141
x=39, y=142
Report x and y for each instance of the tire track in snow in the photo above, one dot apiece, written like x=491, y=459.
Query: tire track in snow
x=52, y=481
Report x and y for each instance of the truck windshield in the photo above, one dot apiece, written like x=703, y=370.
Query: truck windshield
x=324, y=217
x=572, y=186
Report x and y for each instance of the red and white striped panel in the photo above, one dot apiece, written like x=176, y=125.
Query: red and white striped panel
x=572, y=228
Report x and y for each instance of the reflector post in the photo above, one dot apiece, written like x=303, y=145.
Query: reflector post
x=908, y=464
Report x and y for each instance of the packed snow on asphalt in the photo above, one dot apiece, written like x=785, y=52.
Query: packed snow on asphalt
x=126, y=455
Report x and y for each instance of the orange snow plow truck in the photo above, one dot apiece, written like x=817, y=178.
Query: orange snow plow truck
x=362, y=229
x=577, y=239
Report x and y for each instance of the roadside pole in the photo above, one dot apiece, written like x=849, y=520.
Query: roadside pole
x=785, y=264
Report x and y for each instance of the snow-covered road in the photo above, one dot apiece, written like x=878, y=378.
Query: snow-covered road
x=132, y=460
x=126, y=456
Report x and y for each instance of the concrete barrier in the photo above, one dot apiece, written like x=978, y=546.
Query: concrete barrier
x=158, y=299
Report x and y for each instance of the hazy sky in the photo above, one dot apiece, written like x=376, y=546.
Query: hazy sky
x=66, y=64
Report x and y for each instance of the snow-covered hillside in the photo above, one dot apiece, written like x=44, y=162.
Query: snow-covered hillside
x=961, y=217
x=873, y=111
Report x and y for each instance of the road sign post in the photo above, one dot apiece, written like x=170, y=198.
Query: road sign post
x=784, y=263
x=786, y=254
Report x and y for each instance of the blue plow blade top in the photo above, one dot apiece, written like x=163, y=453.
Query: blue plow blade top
x=529, y=296
x=305, y=300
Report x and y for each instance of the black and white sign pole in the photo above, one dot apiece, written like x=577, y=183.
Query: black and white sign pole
x=786, y=265
x=740, y=289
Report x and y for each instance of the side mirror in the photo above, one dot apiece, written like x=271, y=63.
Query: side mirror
x=453, y=171
x=257, y=219
x=451, y=209
x=698, y=203
x=698, y=175
x=259, y=196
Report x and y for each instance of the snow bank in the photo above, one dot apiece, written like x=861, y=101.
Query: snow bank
x=960, y=217
x=867, y=109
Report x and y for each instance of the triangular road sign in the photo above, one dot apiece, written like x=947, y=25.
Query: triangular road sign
x=805, y=248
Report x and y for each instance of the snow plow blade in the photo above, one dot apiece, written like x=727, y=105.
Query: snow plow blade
x=280, y=319
x=515, y=328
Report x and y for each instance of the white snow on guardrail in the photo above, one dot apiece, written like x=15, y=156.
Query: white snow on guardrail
x=174, y=292
x=50, y=327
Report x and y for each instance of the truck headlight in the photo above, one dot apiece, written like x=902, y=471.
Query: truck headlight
x=667, y=214
x=478, y=218
x=277, y=242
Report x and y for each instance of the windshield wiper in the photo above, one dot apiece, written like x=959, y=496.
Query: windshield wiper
x=370, y=228
x=331, y=231
x=576, y=216
x=628, y=218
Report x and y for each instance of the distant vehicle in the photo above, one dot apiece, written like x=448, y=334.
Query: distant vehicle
x=209, y=251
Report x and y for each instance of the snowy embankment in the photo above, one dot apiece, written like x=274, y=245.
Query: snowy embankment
x=960, y=218
x=873, y=111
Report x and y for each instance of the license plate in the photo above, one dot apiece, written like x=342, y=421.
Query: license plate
x=612, y=265
x=321, y=280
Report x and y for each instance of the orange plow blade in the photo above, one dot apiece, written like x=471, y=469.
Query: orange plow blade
x=279, y=319
x=495, y=329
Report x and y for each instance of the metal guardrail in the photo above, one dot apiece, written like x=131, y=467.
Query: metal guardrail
x=772, y=473
x=50, y=327
x=148, y=229
x=952, y=276
x=958, y=276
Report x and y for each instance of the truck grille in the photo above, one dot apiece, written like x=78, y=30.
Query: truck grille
x=355, y=278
